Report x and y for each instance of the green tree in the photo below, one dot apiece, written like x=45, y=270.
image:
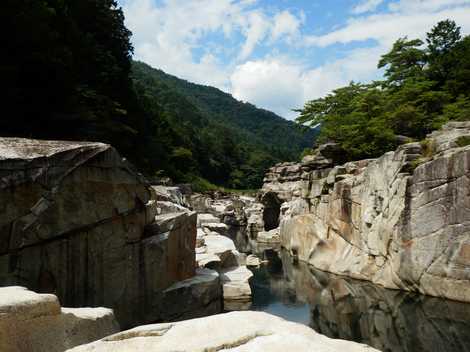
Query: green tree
x=424, y=87
x=405, y=61
x=441, y=41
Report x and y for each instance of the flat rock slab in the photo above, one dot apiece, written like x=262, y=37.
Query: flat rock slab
x=20, y=303
x=235, y=332
x=218, y=245
x=201, y=294
x=271, y=237
x=236, y=284
x=207, y=260
x=253, y=260
x=216, y=227
x=205, y=219
x=31, y=322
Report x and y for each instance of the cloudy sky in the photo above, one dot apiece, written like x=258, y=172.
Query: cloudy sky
x=277, y=54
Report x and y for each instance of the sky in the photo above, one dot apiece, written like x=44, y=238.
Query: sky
x=278, y=54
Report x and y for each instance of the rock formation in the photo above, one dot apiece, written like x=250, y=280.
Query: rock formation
x=216, y=250
x=236, y=332
x=389, y=320
x=401, y=221
x=31, y=322
x=78, y=221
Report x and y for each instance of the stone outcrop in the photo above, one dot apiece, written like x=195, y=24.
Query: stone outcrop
x=401, y=221
x=389, y=320
x=197, y=296
x=31, y=322
x=78, y=221
x=236, y=331
x=216, y=250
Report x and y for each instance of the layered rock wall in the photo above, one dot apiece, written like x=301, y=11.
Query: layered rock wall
x=78, y=221
x=401, y=221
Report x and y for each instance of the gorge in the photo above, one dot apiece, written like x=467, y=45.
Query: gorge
x=156, y=196
x=87, y=227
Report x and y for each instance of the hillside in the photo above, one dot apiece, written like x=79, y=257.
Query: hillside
x=212, y=135
x=71, y=79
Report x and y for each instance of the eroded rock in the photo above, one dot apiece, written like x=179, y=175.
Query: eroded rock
x=401, y=221
x=79, y=221
x=31, y=322
x=236, y=332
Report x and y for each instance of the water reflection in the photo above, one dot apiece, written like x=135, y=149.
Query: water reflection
x=355, y=310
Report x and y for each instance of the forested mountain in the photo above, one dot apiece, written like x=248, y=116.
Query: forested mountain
x=425, y=85
x=283, y=138
x=66, y=73
x=67, y=76
x=229, y=142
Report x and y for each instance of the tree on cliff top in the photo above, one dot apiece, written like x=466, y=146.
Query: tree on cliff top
x=423, y=87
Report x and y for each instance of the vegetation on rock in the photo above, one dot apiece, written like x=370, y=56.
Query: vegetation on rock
x=424, y=86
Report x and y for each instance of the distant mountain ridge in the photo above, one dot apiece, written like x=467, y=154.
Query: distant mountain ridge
x=222, y=107
x=242, y=139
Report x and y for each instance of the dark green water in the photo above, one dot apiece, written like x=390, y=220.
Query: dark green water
x=343, y=308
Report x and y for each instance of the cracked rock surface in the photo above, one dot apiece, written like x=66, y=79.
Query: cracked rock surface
x=235, y=332
x=401, y=221
x=78, y=220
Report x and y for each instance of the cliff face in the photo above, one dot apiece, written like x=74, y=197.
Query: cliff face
x=401, y=221
x=389, y=320
x=79, y=222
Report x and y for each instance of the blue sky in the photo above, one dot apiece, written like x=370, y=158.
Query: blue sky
x=278, y=54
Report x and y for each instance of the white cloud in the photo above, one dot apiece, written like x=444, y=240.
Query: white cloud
x=172, y=36
x=286, y=24
x=411, y=18
x=281, y=86
x=255, y=29
x=366, y=6
x=269, y=84
x=425, y=5
x=166, y=35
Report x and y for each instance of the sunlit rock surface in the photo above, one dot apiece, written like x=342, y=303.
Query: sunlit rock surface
x=31, y=322
x=236, y=332
x=401, y=221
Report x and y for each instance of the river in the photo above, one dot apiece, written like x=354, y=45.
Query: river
x=355, y=310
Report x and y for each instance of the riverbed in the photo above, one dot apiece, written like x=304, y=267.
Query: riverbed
x=339, y=307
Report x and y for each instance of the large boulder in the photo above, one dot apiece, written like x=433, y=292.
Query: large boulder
x=401, y=221
x=201, y=294
x=31, y=322
x=236, y=331
x=236, y=288
x=79, y=221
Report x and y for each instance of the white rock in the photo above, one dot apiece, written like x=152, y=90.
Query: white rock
x=209, y=260
x=31, y=322
x=269, y=236
x=205, y=219
x=253, y=260
x=234, y=332
x=236, y=283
